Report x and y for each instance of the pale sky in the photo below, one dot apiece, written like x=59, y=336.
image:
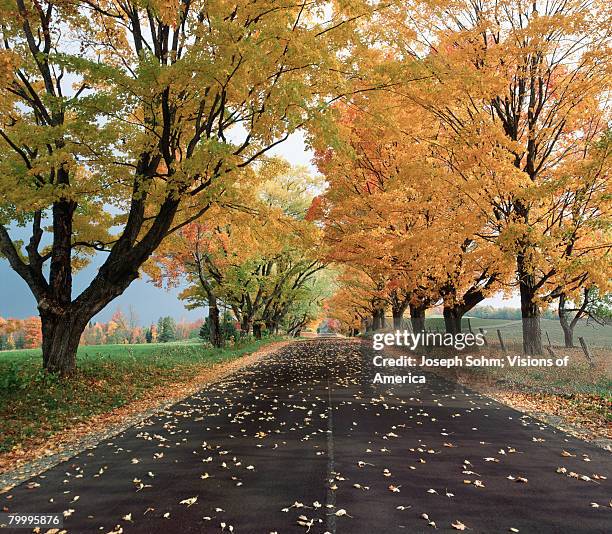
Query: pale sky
x=150, y=302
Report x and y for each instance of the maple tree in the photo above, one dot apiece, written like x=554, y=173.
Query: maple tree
x=120, y=122
x=520, y=92
x=253, y=254
x=495, y=132
x=390, y=213
x=20, y=333
x=32, y=335
x=356, y=302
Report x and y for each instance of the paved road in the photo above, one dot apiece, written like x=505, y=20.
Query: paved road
x=305, y=442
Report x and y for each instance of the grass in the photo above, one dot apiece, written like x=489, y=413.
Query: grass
x=34, y=405
x=595, y=335
x=578, y=393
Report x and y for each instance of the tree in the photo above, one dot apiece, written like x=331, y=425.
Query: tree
x=32, y=333
x=255, y=254
x=153, y=333
x=601, y=307
x=592, y=306
x=389, y=212
x=166, y=326
x=157, y=109
x=519, y=93
x=226, y=329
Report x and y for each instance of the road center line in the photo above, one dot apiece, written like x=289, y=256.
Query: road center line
x=330, y=497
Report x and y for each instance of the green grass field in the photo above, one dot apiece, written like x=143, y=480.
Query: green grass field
x=34, y=405
x=595, y=336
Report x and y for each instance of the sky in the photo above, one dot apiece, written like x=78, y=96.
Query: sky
x=148, y=301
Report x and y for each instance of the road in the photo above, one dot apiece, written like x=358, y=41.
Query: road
x=305, y=442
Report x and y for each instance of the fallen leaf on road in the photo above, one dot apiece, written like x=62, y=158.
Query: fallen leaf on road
x=189, y=501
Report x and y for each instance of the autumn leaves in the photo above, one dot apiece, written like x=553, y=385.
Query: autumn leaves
x=146, y=118
x=253, y=453
x=254, y=256
x=484, y=168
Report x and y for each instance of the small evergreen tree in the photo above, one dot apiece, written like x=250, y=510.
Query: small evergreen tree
x=166, y=329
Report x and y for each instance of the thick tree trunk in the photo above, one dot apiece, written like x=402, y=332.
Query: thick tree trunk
x=568, y=335
x=61, y=334
x=452, y=319
x=530, y=314
x=397, y=319
x=246, y=325
x=214, y=326
x=417, y=318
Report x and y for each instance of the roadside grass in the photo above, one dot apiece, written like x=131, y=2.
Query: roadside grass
x=511, y=330
x=578, y=394
x=34, y=405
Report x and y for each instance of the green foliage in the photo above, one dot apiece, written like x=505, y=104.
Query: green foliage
x=601, y=306
x=227, y=326
x=166, y=326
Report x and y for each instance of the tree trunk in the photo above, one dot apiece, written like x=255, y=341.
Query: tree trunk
x=61, y=334
x=452, y=319
x=568, y=335
x=383, y=323
x=257, y=330
x=214, y=326
x=566, y=324
x=398, y=317
x=417, y=318
x=375, y=320
x=246, y=325
x=530, y=314
x=365, y=325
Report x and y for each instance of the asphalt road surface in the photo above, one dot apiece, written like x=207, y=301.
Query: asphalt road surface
x=305, y=442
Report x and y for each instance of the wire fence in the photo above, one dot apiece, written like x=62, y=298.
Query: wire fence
x=508, y=334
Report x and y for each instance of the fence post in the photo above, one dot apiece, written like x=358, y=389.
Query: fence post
x=587, y=352
x=484, y=337
x=501, y=341
x=549, y=348
x=470, y=326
